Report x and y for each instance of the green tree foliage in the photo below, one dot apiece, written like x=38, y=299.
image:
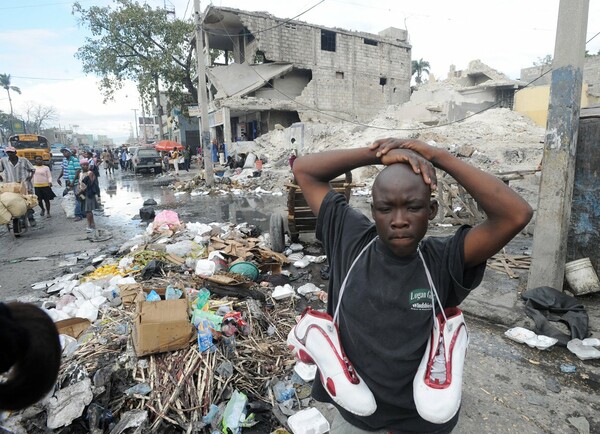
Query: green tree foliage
x=5, y=127
x=132, y=41
x=543, y=61
x=5, y=83
x=419, y=67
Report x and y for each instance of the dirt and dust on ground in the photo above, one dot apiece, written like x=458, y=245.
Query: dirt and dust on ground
x=105, y=386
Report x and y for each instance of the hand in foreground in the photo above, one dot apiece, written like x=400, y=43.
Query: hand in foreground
x=384, y=146
x=392, y=151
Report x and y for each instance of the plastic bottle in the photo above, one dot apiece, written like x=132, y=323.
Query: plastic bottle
x=235, y=413
x=210, y=416
x=205, y=339
x=283, y=392
x=198, y=316
x=172, y=293
x=202, y=298
x=153, y=296
x=228, y=346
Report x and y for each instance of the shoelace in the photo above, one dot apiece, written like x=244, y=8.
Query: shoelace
x=438, y=369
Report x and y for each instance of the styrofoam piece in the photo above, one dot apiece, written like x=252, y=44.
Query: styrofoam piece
x=293, y=257
x=541, y=342
x=582, y=351
x=281, y=292
x=519, y=334
x=305, y=371
x=308, y=288
x=591, y=342
x=296, y=247
x=302, y=263
x=308, y=421
x=316, y=259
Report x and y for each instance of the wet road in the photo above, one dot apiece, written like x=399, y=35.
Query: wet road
x=123, y=204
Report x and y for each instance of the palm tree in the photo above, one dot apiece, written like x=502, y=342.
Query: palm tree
x=419, y=67
x=5, y=83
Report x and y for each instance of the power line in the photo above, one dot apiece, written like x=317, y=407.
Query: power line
x=42, y=5
x=43, y=78
x=287, y=21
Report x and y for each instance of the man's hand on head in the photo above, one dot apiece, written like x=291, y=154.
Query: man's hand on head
x=419, y=164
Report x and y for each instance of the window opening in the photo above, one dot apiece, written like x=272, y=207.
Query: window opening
x=371, y=42
x=327, y=40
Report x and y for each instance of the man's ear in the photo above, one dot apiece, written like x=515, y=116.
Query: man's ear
x=433, y=208
x=372, y=211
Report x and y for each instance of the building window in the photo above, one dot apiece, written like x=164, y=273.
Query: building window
x=339, y=75
x=370, y=42
x=382, y=81
x=327, y=40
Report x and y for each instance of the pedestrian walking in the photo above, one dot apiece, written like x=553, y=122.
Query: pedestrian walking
x=175, y=159
x=187, y=158
x=88, y=194
x=70, y=169
x=42, y=184
x=17, y=169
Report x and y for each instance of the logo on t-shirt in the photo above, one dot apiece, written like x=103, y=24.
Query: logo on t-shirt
x=420, y=299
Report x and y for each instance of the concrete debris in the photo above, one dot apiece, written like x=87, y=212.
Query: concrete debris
x=68, y=404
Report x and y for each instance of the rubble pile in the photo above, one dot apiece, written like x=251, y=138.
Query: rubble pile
x=163, y=335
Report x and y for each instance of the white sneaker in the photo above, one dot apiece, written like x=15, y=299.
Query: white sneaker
x=315, y=340
x=437, y=387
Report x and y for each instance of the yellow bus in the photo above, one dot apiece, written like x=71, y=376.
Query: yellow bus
x=30, y=146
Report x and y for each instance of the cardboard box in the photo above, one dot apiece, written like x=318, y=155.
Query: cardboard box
x=129, y=292
x=161, y=326
x=72, y=326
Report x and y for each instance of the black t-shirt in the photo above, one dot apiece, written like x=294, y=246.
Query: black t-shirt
x=385, y=317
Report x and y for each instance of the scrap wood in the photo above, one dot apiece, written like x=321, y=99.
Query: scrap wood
x=504, y=262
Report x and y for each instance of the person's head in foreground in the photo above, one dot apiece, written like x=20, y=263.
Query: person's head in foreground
x=402, y=208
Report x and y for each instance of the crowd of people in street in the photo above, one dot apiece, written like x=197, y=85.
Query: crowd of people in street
x=80, y=170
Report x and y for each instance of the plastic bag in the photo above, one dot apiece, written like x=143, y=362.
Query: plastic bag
x=68, y=204
x=166, y=220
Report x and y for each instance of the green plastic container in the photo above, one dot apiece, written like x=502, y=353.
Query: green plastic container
x=247, y=269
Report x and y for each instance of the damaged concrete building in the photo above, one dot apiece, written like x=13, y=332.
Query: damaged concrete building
x=274, y=71
x=462, y=93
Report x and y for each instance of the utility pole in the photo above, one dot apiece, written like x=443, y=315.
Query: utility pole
x=160, y=109
x=560, y=146
x=202, y=100
x=137, y=138
x=145, y=128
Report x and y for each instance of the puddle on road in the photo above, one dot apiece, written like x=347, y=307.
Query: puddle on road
x=122, y=205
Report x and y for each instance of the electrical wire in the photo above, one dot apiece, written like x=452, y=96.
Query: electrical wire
x=269, y=28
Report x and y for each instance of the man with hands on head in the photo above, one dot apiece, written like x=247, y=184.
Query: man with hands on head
x=384, y=325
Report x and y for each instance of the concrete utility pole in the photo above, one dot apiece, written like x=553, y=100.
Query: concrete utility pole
x=556, y=187
x=135, y=118
x=202, y=100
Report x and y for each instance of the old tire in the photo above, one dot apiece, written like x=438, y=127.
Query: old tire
x=277, y=231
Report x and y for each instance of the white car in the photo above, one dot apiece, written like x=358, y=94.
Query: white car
x=146, y=159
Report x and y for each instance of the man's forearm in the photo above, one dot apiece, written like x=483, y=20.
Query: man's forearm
x=328, y=165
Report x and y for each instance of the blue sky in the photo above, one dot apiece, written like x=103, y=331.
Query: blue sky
x=39, y=38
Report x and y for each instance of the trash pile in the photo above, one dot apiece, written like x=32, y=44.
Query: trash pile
x=182, y=330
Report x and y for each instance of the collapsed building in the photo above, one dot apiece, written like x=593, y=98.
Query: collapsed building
x=462, y=93
x=266, y=71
